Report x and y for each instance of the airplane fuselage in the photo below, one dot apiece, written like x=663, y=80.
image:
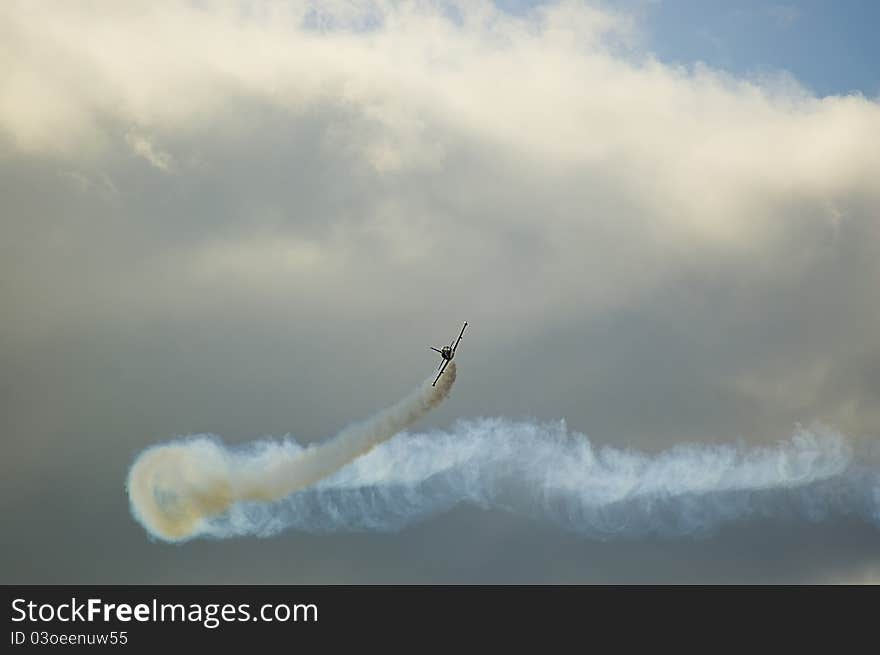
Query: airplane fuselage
x=447, y=353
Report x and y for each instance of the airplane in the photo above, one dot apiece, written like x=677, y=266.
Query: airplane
x=447, y=353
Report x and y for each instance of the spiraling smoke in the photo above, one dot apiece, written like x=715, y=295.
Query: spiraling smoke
x=543, y=471
x=178, y=490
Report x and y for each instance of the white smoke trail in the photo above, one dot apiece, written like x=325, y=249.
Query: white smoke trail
x=177, y=490
x=548, y=473
x=545, y=472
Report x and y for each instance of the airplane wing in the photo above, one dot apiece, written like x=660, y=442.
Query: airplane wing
x=442, y=368
x=459, y=337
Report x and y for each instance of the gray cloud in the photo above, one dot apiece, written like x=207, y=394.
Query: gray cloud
x=213, y=218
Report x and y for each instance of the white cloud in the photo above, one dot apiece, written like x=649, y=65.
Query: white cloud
x=654, y=253
x=142, y=147
x=362, y=157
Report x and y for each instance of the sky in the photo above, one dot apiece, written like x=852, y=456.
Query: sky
x=250, y=219
x=828, y=47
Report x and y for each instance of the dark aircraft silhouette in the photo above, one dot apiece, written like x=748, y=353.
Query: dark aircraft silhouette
x=447, y=353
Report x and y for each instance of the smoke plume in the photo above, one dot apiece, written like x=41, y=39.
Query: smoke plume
x=540, y=470
x=178, y=490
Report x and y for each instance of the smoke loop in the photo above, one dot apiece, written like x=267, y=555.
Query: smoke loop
x=540, y=470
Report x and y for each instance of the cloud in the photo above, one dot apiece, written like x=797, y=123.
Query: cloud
x=545, y=154
x=630, y=147
x=564, y=172
x=671, y=252
x=142, y=147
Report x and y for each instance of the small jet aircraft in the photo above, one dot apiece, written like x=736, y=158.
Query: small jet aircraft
x=447, y=353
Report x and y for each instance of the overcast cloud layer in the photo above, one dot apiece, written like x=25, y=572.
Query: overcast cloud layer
x=218, y=215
